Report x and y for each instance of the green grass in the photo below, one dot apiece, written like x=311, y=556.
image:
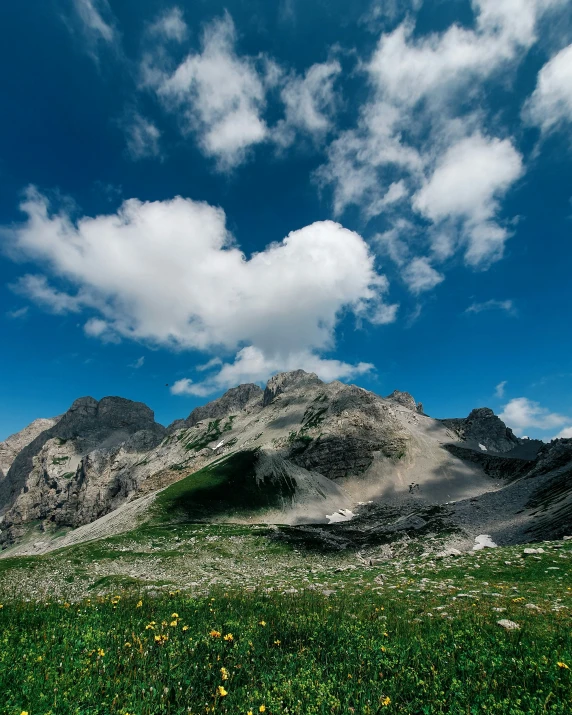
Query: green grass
x=414, y=636
x=369, y=652
x=226, y=486
x=59, y=460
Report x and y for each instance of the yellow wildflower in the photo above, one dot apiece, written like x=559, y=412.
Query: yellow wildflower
x=229, y=637
x=24, y=712
x=215, y=634
x=161, y=639
x=174, y=615
x=385, y=701
x=277, y=642
x=250, y=712
x=185, y=628
x=262, y=709
x=386, y=635
x=1, y=606
x=173, y=624
x=127, y=645
x=221, y=691
x=224, y=673
x=139, y=604
x=149, y=627
x=100, y=652
x=560, y=664
x=262, y=623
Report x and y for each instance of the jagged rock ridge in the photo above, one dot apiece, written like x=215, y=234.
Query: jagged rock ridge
x=336, y=445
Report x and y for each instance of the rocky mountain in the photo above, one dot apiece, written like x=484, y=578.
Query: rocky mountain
x=76, y=470
x=482, y=429
x=234, y=400
x=328, y=458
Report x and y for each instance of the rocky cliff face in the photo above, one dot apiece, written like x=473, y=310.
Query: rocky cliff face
x=297, y=379
x=482, y=426
x=14, y=444
x=70, y=473
x=237, y=399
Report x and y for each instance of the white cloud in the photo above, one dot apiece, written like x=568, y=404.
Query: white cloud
x=209, y=365
x=420, y=276
x=467, y=183
x=500, y=389
x=142, y=138
x=170, y=25
x=358, y=159
x=252, y=365
x=91, y=13
x=18, y=313
x=138, y=363
x=169, y=273
x=566, y=433
x=37, y=289
x=186, y=387
x=102, y=330
x=521, y=413
x=506, y=305
x=309, y=102
x=550, y=105
x=221, y=96
x=422, y=126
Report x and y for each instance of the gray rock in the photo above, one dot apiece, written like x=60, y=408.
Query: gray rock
x=482, y=426
x=448, y=553
x=529, y=551
x=287, y=380
x=71, y=473
x=508, y=625
x=14, y=444
x=234, y=400
x=403, y=398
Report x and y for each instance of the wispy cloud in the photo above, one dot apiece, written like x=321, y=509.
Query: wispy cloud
x=500, y=389
x=170, y=25
x=142, y=137
x=505, y=305
x=138, y=363
x=18, y=314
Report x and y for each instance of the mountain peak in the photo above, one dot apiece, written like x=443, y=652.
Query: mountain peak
x=285, y=380
x=233, y=400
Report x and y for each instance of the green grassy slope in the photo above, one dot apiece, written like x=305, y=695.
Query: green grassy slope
x=226, y=486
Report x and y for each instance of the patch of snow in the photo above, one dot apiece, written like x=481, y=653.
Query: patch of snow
x=340, y=515
x=484, y=541
x=220, y=444
x=482, y=446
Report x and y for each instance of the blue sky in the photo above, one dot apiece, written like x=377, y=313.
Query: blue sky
x=195, y=195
